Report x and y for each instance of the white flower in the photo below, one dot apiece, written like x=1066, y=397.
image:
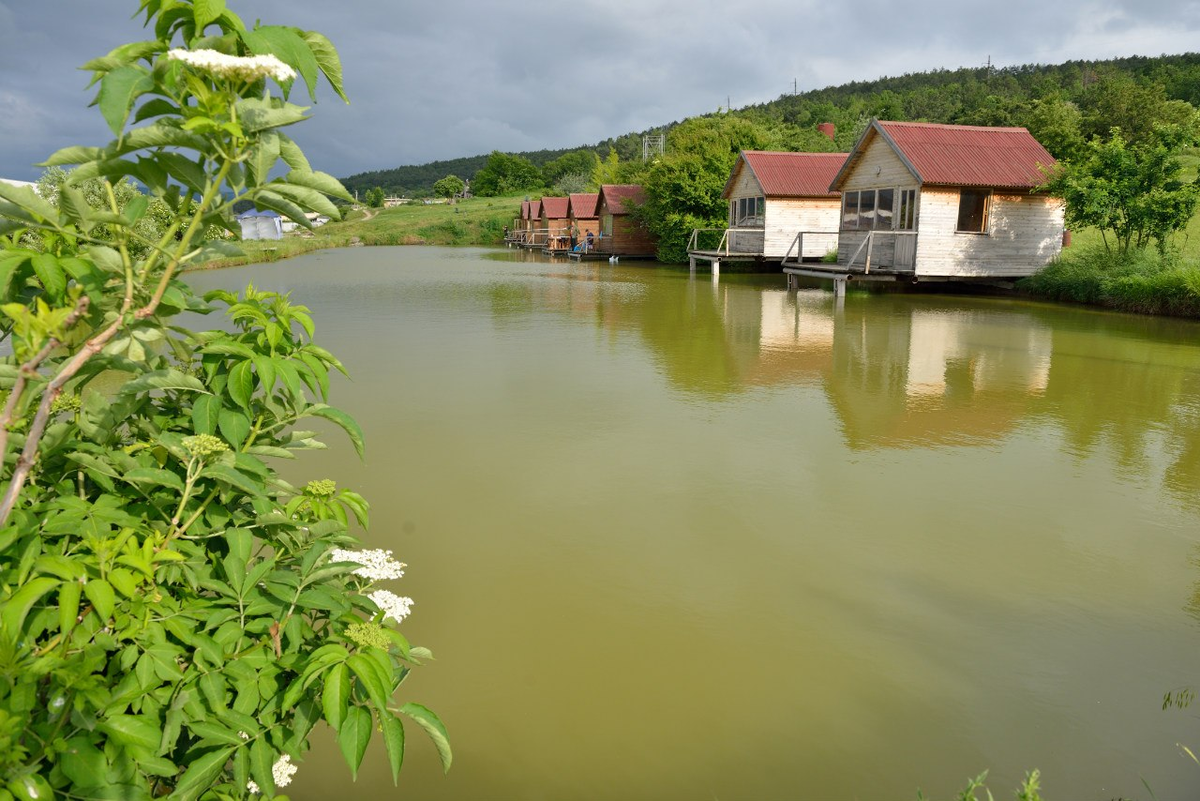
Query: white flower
x=283, y=771
x=246, y=68
x=376, y=565
x=243, y=735
x=392, y=605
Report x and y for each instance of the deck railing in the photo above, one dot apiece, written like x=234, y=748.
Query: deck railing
x=733, y=240
x=904, y=251
x=797, y=246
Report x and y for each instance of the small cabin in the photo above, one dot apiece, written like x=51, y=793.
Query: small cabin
x=922, y=201
x=620, y=235
x=581, y=212
x=780, y=205
x=555, y=223
x=534, y=236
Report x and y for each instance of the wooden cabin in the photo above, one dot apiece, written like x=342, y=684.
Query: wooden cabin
x=780, y=205
x=620, y=235
x=556, y=224
x=922, y=201
x=581, y=212
x=535, y=236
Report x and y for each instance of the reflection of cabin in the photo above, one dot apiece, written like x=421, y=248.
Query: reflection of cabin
x=780, y=204
x=555, y=223
x=620, y=235
x=261, y=225
x=943, y=202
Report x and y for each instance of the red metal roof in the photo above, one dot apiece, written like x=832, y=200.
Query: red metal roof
x=790, y=174
x=583, y=205
x=618, y=196
x=524, y=209
x=554, y=208
x=535, y=209
x=966, y=155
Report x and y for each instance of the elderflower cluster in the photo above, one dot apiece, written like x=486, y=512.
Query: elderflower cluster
x=369, y=634
x=244, y=68
x=321, y=488
x=392, y=605
x=282, y=772
x=204, y=445
x=377, y=565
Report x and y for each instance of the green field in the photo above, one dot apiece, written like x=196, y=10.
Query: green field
x=477, y=221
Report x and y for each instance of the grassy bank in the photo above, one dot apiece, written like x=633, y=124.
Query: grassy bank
x=477, y=221
x=1143, y=282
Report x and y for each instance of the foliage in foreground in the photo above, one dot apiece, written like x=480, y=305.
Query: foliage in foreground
x=174, y=618
x=1140, y=281
x=1028, y=791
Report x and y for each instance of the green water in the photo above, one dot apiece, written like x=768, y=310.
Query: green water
x=671, y=539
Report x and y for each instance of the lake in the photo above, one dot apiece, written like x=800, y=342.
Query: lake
x=677, y=539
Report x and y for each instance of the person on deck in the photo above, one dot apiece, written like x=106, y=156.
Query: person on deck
x=591, y=240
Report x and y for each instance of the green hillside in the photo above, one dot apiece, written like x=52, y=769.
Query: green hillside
x=1033, y=95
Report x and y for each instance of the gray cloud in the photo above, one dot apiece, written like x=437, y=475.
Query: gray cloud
x=439, y=80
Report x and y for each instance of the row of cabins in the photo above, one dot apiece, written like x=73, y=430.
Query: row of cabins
x=911, y=201
x=548, y=224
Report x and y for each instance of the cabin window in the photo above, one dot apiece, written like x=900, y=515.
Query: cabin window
x=849, y=210
x=866, y=209
x=606, y=225
x=884, y=210
x=972, y=210
x=906, y=214
x=747, y=211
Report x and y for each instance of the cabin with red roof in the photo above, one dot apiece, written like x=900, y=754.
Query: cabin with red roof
x=620, y=235
x=555, y=223
x=582, y=213
x=534, y=235
x=780, y=204
x=923, y=201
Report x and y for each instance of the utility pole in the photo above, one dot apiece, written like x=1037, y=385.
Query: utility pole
x=795, y=87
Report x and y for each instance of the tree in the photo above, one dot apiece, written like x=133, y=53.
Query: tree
x=683, y=188
x=1056, y=124
x=1130, y=192
x=449, y=186
x=374, y=197
x=506, y=174
x=572, y=183
x=175, y=617
x=575, y=162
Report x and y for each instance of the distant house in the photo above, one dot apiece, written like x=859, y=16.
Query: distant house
x=620, y=234
x=582, y=213
x=555, y=223
x=943, y=202
x=780, y=204
x=261, y=225
x=535, y=236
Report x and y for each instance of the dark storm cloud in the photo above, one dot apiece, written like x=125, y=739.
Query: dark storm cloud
x=445, y=79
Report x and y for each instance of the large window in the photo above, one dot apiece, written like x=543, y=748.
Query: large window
x=871, y=209
x=747, y=212
x=972, y=210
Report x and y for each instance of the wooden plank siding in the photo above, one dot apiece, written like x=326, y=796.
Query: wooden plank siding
x=1024, y=232
x=783, y=218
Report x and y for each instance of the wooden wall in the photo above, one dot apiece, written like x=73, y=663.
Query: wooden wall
x=785, y=217
x=879, y=168
x=1024, y=232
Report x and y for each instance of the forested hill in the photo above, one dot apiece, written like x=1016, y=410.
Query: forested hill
x=1103, y=93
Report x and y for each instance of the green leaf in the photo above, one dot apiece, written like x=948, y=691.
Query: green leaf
x=241, y=384
x=68, y=605
x=275, y=202
x=261, y=760
x=27, y=200
x=369, y=674
x=320, y=181
x=136, y=731
x=292, y=155
x=163, y=379
x=155, y=476
x=347, y=423
x=306, y=198
x=335, y=697
x=117, y=92
x=75, y=154
x=50, y=273
x=234, y=426
x=227, y=475
x=289, y=47
x=214, y=732
x=206, y=411
x=103, y=599
x=17, y=607
x=207, y=12
x=327, y=59
x=432, y=725
x=258, y=114
x=393, y=738
x=201, y=774
x=354, y=736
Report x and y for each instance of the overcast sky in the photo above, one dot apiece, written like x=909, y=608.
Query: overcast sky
x=446, y=78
